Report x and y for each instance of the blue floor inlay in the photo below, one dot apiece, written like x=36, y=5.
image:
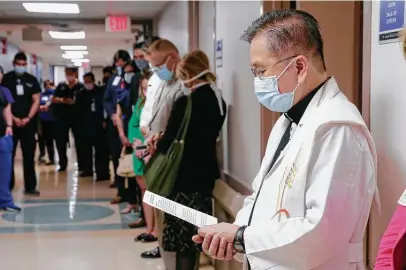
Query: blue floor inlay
x=59, y=214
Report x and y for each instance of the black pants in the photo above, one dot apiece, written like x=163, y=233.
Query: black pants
x=96, y=140
x=46, y=139
x=26, y=137
x=63, y=126
x=114, y=145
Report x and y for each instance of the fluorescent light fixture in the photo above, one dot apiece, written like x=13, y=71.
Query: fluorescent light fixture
x=52, y=8
x=67, y=35
x=74, y=48
x=77, y=64
x=71, y=56
x=80, y=60
x=77, y=52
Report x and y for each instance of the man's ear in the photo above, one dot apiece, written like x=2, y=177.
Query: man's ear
x=302, y=66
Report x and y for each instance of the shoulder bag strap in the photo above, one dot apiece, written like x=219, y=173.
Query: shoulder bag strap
x=186, y=119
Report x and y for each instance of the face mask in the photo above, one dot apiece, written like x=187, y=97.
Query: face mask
x=267, y=92
x=164, y=73
x=119, y=70
x=20, y=69
x=89, y=86
x=128, y=77
x=142, y=64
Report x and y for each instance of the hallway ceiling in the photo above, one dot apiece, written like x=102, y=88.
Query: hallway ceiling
x=101, y=44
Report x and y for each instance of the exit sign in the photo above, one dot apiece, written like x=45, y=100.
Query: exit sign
x=118, y=24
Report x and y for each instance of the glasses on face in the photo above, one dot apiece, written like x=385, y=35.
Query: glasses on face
x=259, y=73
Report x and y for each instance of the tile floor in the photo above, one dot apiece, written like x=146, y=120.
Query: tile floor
x=71, y=226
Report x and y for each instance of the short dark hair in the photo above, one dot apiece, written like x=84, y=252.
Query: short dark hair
x=132, y=64
x=288, y=30
x=71, y=69
x=20, y=56
x=108, y=69
x=123, y=55
x=91, y=75
x=139, y=45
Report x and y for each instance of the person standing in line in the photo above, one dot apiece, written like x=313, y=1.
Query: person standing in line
x=313, y=194
x=198, y=170
x=107, y=73
x=95, y=130
x=164, y=57
x=135, y=136
x=6, y=148
x=47, y=122
x=116, y=84
x=63, y=106
x=26, y=93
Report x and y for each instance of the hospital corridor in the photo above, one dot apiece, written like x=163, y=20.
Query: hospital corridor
x=202, y=135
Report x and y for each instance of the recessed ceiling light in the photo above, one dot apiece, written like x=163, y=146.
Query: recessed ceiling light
x=77, y=52
x=72, y=56
x=74, y=48
x=80, y=60
x=52, y=8
x=67, y=35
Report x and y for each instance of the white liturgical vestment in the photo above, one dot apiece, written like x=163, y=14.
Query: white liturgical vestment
x=313, y=205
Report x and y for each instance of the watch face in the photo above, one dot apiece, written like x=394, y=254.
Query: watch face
x=238, y=247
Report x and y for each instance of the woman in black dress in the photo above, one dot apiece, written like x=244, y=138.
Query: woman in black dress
x=199, y=167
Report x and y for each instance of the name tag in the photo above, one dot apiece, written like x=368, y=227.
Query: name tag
x=20, y=90
x=116, y=81
x=402, y=200
x=93, y=106
x=45, y=99
x=104, y=114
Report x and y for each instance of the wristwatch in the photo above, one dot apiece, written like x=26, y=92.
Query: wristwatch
x=238, y=242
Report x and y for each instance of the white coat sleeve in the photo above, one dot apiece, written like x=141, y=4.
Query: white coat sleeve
x=339, y=180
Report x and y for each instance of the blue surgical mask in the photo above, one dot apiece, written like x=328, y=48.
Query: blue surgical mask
x=267, y=92
x=20, y=69
x=119, y=70
x=142, y=64
x=164, y=73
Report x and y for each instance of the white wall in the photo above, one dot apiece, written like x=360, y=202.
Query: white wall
x=388, y=124
x=172, y=24
x=206, y=29
x=242, y=150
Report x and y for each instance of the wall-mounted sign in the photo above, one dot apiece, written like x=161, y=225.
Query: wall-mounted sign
x=118, y=24
x=219, y=53
x=391, y=20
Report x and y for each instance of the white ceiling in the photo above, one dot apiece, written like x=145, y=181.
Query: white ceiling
x=101, y=45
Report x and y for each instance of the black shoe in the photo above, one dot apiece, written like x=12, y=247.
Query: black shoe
x=152, y=254
x=112, y=185
x=32, y=192
x=11, y=209
x=149, y=238
x=62, y=168
x=86, y=174
x=140, y=237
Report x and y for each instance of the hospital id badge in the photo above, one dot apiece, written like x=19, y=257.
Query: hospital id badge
x=20, y=90
x=402, y=200
x=116, y=81
x=93, y=107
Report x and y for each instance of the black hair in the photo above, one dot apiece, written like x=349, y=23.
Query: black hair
x=91, y=75
x=123, y=55
x=139, y=45
x=108, y=69
x=20, y=56
x=132, y=64
x=288, y=31
x=71, y=69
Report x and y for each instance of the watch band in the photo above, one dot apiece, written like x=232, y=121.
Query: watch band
x=238, y=242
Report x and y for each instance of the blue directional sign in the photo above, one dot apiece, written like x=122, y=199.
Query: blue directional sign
x=391, y=19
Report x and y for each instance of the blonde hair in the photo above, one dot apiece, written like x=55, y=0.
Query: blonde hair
x=192, y=64
x=162, y=45
x=402, y=39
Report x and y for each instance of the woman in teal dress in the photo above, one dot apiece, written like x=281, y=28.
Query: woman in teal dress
x=135, y=135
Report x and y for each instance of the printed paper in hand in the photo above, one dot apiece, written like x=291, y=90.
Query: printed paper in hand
x=178, y=210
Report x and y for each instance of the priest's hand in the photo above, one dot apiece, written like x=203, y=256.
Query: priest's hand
x=217, y=240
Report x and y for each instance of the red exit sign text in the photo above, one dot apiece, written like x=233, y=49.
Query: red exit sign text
x=118, y=24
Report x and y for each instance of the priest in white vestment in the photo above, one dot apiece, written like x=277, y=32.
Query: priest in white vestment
x=313, y=193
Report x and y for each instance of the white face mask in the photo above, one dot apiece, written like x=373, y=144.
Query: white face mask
x=267, y=92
